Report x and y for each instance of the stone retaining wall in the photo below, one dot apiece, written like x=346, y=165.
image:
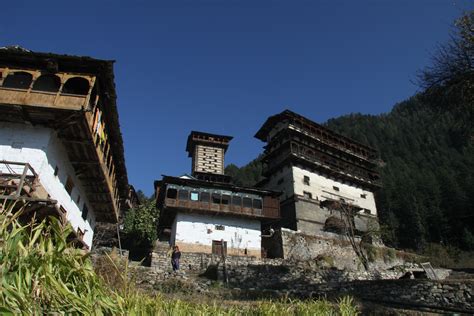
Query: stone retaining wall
x=450, y=295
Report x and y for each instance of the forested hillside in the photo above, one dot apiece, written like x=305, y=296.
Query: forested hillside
x=427, y=170
x=426, y=148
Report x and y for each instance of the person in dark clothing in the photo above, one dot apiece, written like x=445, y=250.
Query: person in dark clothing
x=175, y=256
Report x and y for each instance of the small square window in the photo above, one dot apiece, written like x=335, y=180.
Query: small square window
x=172, y=193
x=307, y=195
x=236, y=201
x=194, y=196
x=216, y=198
x=219, y=227
x=247, y=202
x=257, y=204
x=335, y=188
x=364, y=196
x=306, y=180
x=205, y=196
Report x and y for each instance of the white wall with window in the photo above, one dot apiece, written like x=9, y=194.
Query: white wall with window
x=41, y=148
x=312, y=185
x=196, y=232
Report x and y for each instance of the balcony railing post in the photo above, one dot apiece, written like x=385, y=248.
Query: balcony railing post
x=22, y=181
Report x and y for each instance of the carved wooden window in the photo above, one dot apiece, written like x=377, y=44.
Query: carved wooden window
x=236, y=201
x=18, y=80
x=76, y=85
x=247, y=202
x=48, y=83
x=205, y=197
x=183, y=194
x=216, y=198
x=225, y=199
x=257, y=204
x=172, y=193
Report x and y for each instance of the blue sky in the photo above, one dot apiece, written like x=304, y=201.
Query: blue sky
x=224, y=66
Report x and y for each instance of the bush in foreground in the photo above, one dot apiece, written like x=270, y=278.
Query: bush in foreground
x=41, y=273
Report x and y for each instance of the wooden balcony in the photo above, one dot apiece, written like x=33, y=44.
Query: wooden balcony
x=67, y=91
x=42, y=99
x=270, y=208
x=74, y=105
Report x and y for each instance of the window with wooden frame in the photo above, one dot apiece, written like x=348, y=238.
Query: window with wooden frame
x=69, y=185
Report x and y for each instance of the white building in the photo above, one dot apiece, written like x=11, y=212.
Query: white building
x=58, y=119
x=317, y=170
x=204, y=213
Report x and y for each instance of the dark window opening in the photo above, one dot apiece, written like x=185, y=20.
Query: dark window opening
x=306, y=180
x=257, y=204
x=48, y=83
x=219, y=227
x=225, y=199
x=307, y=195
x=236, y=201
x=18, y=80
x=335, y=188
x=76, y=85
x=216, y=198
x=56, y=171
x=247, y=202
x=172, y=193
x=69, y=185
x=85, y=211
x=364, y=196
x=205, y=196
x=183, y=194
x=334, y=225
x=366, y=211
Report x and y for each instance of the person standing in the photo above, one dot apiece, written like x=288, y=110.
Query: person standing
x=175, y=256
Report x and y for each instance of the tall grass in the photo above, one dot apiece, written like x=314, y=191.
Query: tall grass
x=41, y=273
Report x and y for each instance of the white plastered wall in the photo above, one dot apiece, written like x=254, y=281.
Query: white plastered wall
x=240, y=233
x=40, y=147
x=322, y=188
x=281, y=180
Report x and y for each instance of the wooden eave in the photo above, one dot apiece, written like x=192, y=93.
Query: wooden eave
x=288, y=115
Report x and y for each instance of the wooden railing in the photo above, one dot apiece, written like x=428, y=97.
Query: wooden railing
x=19, y=180
x=265, y=212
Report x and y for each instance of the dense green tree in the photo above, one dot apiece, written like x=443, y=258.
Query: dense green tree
x=140, y=229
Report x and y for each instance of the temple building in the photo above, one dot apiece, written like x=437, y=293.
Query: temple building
x=61, y=150
x=318, y=171
x=205, y=213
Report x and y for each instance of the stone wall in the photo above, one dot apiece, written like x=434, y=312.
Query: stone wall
x=308, y=279
x=334, y=248
x=449, y=295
